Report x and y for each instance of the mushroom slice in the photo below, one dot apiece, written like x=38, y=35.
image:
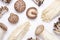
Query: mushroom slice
x=19, y=32
x=40, y=31
x=3, y=29
x=32, y=13
x=38, y=2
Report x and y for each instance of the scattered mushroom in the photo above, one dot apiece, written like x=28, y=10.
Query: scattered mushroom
x=38, y=2
x=20, y=6
x=3, y=10
x=13, y=18
x=57, y=27
x=40, y=31
x=3, y=29
x=32, y=13
x=6, y=1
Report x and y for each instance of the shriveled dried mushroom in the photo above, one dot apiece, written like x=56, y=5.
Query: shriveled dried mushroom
x=6, y=1
x=3, y=29
x=38, y=2
x=32, y=13
x=57, y=27
x=13, y=18
x=3, y=10
x=20, y=6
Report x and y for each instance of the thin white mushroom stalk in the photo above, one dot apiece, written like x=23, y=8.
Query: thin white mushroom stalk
x=51, y=11
x=19, y=32
x=41, y=32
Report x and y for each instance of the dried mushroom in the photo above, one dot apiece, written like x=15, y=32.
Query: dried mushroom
x=3, y=29
x=57, y=27
x=6, y=1
x=20, y=6
x=32, y=13
x=13, y=18
x=38, y=2
x=3, y=10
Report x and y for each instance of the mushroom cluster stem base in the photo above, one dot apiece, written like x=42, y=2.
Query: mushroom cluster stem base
x=51, y=11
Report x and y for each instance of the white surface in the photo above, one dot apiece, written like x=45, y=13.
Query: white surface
x=23, y=18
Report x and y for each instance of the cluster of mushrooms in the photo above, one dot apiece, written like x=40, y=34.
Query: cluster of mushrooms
x=31, y=13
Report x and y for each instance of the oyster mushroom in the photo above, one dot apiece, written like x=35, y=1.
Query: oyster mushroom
x=3, y=29
x=13, y=18
x=20, y=6
x=40, y=31
x=3, y=10
x=57, y=27
x=6, y=1
x=32, y=13
x=38, y=2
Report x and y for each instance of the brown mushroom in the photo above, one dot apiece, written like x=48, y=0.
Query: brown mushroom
x=13, y=18
x=38, y=2
x=6, y=1
x=32, y=13
x=20, y=6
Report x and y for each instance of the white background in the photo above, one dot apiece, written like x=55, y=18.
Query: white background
x=23, y=18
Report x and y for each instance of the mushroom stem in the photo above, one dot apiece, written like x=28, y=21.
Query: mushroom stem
x=19, y=32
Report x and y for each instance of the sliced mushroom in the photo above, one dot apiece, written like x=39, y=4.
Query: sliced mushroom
x=20, y=6
x=3, y=29
x=38, y=2
x=32, y=13
x=13, y=18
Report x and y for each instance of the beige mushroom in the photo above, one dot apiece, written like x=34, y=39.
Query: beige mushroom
x=40, y=31
x=32, y=13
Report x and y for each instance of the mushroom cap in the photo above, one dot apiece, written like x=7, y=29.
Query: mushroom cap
x=20, y=6
x=32, y=13
x=13, y=18
x=39, y=30
x=3, y=26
